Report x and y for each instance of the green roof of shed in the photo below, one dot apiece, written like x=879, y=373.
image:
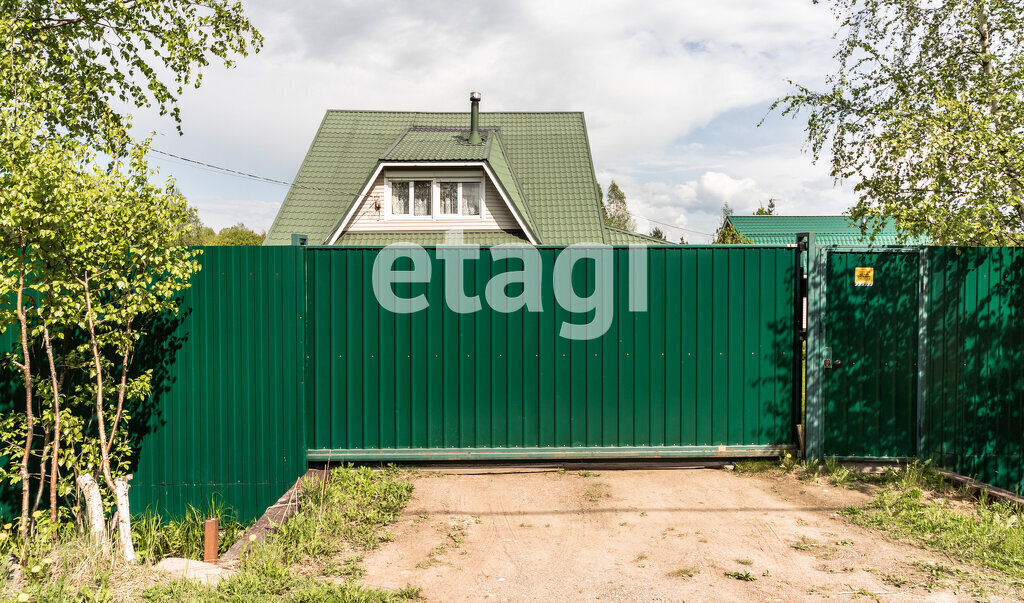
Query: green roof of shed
x=541, y=160
x=828, y=230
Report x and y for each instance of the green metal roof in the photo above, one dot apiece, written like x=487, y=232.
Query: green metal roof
x=432, y=144
x=429, y=237
x=498, y=161
x=541, y=160
x=828, y=230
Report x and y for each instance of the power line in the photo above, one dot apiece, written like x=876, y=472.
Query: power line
x=332, y=190
x=707, y=234
x=251, y=176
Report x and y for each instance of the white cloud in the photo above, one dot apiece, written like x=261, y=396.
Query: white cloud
x=219, y=212
x=647, y=75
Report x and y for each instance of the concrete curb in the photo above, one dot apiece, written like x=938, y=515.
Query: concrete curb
x=275, y=515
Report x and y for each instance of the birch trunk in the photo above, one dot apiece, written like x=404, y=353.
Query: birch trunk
x=124, y=522
x=94, y=510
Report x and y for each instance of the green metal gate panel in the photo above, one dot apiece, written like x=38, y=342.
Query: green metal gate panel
x=974, y=394
x=869, y=362
x=226, y=418
x=705, y=370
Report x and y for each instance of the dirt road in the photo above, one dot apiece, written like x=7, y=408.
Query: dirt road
x=642, y=535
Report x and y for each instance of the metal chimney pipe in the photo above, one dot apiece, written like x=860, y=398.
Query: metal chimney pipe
x=474, y=118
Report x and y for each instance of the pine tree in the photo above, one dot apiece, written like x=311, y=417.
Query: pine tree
x=767, y=211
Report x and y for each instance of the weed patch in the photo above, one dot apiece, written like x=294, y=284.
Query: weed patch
x=683, y=572
x=991, y=535
x=755, y=466
x=454, y=537
x=597, y=491
x=745, y=576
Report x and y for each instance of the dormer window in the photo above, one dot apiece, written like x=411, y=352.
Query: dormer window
x=411, y=197
x=436, y=198
x=460, y=198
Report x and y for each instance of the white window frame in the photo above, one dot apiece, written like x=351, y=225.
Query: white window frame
x=412, y=199
x=459, y=215
x=435, y=198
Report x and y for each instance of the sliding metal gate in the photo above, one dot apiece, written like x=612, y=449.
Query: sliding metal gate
x=705, y=368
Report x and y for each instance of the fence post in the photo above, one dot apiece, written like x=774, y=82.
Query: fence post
x=813, y=404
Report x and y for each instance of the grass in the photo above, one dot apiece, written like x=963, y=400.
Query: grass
x=155, y=538
x=755, y=466
x=744, y=576
x=62, y=565
x=916, y=503
x=454, y=537
x=989, y=534
x=350, y=509
x=745, y=561
x=683, y=572
x=805, y=544
x=597, y=491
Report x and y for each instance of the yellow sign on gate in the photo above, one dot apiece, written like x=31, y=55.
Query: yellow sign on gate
x=863, y=277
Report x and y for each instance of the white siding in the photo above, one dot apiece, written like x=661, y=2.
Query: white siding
x=372, y=215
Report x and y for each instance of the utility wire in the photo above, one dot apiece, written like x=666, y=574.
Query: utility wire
x=707, y=234
x=333, y=190
x=250, y=176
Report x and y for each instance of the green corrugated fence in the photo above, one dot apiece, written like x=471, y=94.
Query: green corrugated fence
x=974, y=388
x=227, y=418
x=282, y=355
x=926, y=360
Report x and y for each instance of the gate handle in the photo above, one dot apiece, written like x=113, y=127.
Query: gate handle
x=837, y=363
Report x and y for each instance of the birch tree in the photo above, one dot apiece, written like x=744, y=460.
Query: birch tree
x=925, y=113
x=69, y=73
x=616, y=213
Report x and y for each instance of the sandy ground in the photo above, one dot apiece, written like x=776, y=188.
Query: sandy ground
x=537, y=534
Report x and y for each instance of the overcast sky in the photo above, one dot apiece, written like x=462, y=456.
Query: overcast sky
x=672, y=93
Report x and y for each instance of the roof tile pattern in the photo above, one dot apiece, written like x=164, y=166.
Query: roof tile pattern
x=548, y=157
x=828, y=230
x=420, y=145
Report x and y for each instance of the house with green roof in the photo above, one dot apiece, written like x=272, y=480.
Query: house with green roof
x=380, y=177
x=828, y=230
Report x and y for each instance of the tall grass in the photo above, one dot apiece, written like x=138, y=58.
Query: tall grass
x=349, y=509
x=156, y=538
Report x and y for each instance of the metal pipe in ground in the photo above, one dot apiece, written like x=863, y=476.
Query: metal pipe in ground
x=211, y=533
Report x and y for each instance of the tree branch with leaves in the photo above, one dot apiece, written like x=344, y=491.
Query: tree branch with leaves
x=926, y=114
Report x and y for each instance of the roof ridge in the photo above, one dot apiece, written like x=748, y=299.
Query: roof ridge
x=526, y=210
x=789, y=216
x=398, y=140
